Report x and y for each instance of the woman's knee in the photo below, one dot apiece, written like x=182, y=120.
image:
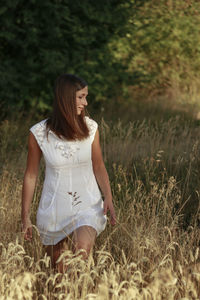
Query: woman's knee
x=87, y=246
x=84, y=238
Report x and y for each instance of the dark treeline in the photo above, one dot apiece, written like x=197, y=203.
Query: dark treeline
x=122, y=48
x=41, y=39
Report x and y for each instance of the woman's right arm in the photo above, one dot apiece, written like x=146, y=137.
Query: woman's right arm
x=29, y=182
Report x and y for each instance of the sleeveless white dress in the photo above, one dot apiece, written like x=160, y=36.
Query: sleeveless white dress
x=70, y=197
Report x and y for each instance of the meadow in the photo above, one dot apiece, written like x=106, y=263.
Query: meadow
x=153, y=250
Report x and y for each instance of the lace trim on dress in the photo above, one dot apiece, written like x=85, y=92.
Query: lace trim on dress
x=40, y=133
x=91, y=126
x=67, y=150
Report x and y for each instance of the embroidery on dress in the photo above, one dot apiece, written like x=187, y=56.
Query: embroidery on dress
x=91, y=125
x=67, y=150
x=40, y=133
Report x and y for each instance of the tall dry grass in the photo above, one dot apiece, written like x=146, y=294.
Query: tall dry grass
x=152, y=252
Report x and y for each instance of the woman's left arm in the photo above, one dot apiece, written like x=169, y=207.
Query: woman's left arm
x=102, y=177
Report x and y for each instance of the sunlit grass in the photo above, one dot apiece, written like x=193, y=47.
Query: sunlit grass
x=151, y=253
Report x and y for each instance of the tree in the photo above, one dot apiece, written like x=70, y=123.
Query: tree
x=162, y=46
x=42, y=39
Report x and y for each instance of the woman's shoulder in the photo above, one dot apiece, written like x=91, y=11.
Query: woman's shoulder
x=92, y=125
x=39, y=131
x=90, y=122
x=40, y=124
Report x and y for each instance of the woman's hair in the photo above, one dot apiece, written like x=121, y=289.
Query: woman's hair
x=64, y=121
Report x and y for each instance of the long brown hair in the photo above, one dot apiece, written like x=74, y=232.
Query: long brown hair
x=64, y=121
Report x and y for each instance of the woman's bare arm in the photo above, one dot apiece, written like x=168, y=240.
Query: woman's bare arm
x=29, y=182
x=102, y=177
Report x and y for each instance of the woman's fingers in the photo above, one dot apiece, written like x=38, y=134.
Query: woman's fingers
x=27, y=231
x=110, y=207
x=113, y=216
x=27, y=228
x=28, y=234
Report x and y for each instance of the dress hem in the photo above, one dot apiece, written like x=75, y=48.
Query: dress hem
x=55, y=240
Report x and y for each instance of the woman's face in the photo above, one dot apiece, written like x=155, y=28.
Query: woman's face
x=81, y=101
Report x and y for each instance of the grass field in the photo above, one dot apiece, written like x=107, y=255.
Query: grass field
x=152, y=252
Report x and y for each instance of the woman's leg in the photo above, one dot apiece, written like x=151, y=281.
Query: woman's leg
x=84, y=238
x=54, y=251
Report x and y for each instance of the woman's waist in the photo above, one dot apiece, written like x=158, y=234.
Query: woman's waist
x=61, y=167
x=70, y=194
x=65, y=187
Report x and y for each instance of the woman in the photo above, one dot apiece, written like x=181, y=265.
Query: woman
x=71, y=202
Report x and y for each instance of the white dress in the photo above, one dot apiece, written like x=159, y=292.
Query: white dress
x=70, y=197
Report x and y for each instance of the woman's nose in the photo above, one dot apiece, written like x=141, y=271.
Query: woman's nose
x=85, y=101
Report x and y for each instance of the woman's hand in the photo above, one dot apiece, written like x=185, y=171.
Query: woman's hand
x=27, y=228
x=108, y=205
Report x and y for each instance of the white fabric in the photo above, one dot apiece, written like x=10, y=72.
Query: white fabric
x=70, y=197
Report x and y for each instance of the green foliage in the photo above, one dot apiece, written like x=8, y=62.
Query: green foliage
x=151, y=46
x=42, y=39
x=162, y=46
